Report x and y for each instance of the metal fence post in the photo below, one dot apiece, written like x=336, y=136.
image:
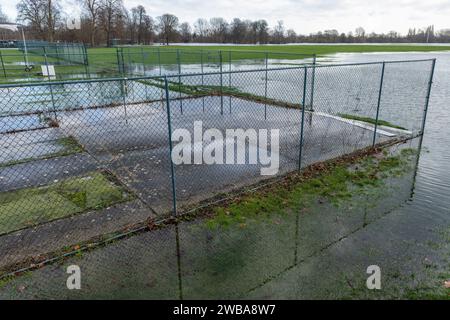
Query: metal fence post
x=202, y=78
x=86, y=62
x=159, y=60
x=229, y=77
x=172, y=169
x=265, y=85
x=427, y=101
x=124, y=90
x=3, y=64
x=120, y=62
x=179, y=80
x=143, y=61
x=378, y=104
x=302, y=119
x=221, y=82
x=313, y=81
x=50, y=86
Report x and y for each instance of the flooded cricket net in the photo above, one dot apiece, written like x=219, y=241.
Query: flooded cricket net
x=84, y=162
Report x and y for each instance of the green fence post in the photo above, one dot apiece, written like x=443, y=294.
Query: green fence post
x=86, y=62
x=203, y=78
x=302, y=119
x=313, y=81
x=159, y=60
x=427, y=102
x=179, y=80
x=265, y=85
x=50, y=86
x=378, y=104
x=124, y=90
x=119, y=64
x=169, y=128
x=143, y=60
x=3, y=64
x=229, y=76
x=221, y=83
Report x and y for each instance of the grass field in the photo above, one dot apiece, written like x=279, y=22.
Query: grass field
x=297, y=49
x=104, y=61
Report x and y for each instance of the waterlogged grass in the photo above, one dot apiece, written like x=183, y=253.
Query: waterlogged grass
x=69, y=145
x=32, y=206
x=191, y=54
x=210, y=90
x=335, y=185
x=370, y=120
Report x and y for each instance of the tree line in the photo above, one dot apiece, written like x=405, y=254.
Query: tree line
x=108, y=22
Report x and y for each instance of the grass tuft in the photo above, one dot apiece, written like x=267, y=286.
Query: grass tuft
x=370, y=120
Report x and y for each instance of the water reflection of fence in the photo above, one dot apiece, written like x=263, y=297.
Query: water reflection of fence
x=100, y=149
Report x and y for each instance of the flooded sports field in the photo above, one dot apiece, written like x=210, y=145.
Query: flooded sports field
x=93, y=158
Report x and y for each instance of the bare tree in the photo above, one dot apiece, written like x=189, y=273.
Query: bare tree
x=3, y=16
x=148, y=29
x=360, y=33
x=185, y=32
x=92, y=11
x=291, y=35
x=31, y=12
x=238, y=30
x=201, y=27
x=278, y=32
x=42, y=16
x=167, y=24
x=138, y=21
x=111, y=13
x=260, y=29
x=218, y=28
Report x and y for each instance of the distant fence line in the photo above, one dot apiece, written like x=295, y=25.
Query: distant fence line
x=72, y=61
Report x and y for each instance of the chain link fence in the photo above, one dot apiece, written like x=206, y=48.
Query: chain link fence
x=63, y=52
x=86, y=161
x=72, y=61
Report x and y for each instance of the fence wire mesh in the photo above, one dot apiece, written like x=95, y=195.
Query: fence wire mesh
x=84, y=161
x=73, y=61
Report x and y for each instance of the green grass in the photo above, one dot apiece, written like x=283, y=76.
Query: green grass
x=336, y=185
x=32, y=206
x=69, y=145
x=370, y=120
x=321, y=49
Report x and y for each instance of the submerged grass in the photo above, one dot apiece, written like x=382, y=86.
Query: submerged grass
x=210, y=90
x=370, y=120
x=32, y=206
x=335, y=185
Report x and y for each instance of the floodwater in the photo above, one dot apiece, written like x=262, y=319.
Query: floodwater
x=322, y=253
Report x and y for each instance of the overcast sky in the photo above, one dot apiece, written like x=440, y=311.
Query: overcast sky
x=304, y=16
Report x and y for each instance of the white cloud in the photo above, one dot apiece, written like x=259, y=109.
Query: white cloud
x=304, y=16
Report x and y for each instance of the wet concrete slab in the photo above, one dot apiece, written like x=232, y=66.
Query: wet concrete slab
x=46, y=171
x=29, y=145
x=11, y=124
